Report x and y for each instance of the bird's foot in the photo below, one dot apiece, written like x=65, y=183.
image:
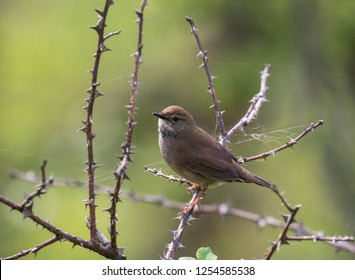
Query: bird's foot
x=197, y=193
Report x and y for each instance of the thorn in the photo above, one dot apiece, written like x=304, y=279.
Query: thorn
x=98, y=93
x=139, y=13
x=99, y=12
x=103, y=48
x=285, y=217
x=180, y=246
x=95, y=27
x=111, y=2
x=126, y=177
x=89, y=90
x=191, y=219
x=174, y=232
x=285, y=242
x=169, y=246
x=292, y=142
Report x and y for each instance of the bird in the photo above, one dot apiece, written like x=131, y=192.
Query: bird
x=196, y=155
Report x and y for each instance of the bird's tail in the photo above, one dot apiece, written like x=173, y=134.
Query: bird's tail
x=250, y=177
x=262, y=182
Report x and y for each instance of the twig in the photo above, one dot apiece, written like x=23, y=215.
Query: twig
x=33, y=250
x=94, y=92
x=254, y=108
x=120, y=173
x=317, y=237
x=40, y=189
x=223, y=209
x=282, y=237
x=211, y=89
x=289, y=144
x=185, y=218
x=98, y=248
x=159, y=173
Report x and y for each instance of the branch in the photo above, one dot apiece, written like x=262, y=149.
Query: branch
x=120, y=173
x=282, y=237
x=185, y=219
x=28, y=213
x=203, y=53
x=88, y=123
x=317, y=237
x=289, y=144
x=159, y=173
x=33, y=250
x=40, y=189
x=254, y=108
x=224, y=209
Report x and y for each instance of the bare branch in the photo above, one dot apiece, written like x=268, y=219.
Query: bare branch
x=254, y=108
x=94, y=246
x=223, y=209
x=159, y=173
x=289, y=144
x=94, y=92
x=185, y=218
x=317, y=237
x=120, y=173
x=282, y=237
x=33, y=250
x=40, y=189
x=211, y=89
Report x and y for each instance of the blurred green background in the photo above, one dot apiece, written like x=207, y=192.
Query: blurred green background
x=46, y=50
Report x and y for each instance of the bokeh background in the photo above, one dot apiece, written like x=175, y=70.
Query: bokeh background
x=46, y=50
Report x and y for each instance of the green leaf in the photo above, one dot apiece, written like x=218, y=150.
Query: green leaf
x=205, y=253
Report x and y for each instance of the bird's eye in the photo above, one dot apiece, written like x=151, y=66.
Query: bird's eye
x=175, y=119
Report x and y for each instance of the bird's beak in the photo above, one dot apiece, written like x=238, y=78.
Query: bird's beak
x=159, y=115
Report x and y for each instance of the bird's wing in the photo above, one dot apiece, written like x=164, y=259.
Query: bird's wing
x=212, y=161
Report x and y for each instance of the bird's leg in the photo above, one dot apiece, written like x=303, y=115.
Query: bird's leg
x=197, y=193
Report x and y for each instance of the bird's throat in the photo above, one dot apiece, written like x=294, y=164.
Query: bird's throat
x=167, y=131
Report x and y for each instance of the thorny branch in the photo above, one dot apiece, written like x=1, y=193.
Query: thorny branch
x=40, y=189
x=224, y=209
x=211, y=89
x=35, y=249
x=98, y=242
x=254, y=108
x=185, y=219
x=120, y=173
x=159, y=173
x=282, y=237
x=59, y=234
x=289, y=144
x=94, y=92
x=28, y=213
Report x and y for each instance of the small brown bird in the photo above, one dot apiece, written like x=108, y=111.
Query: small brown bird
x=195, y=155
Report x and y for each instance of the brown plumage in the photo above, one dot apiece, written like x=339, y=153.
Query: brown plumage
x=195, y=155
